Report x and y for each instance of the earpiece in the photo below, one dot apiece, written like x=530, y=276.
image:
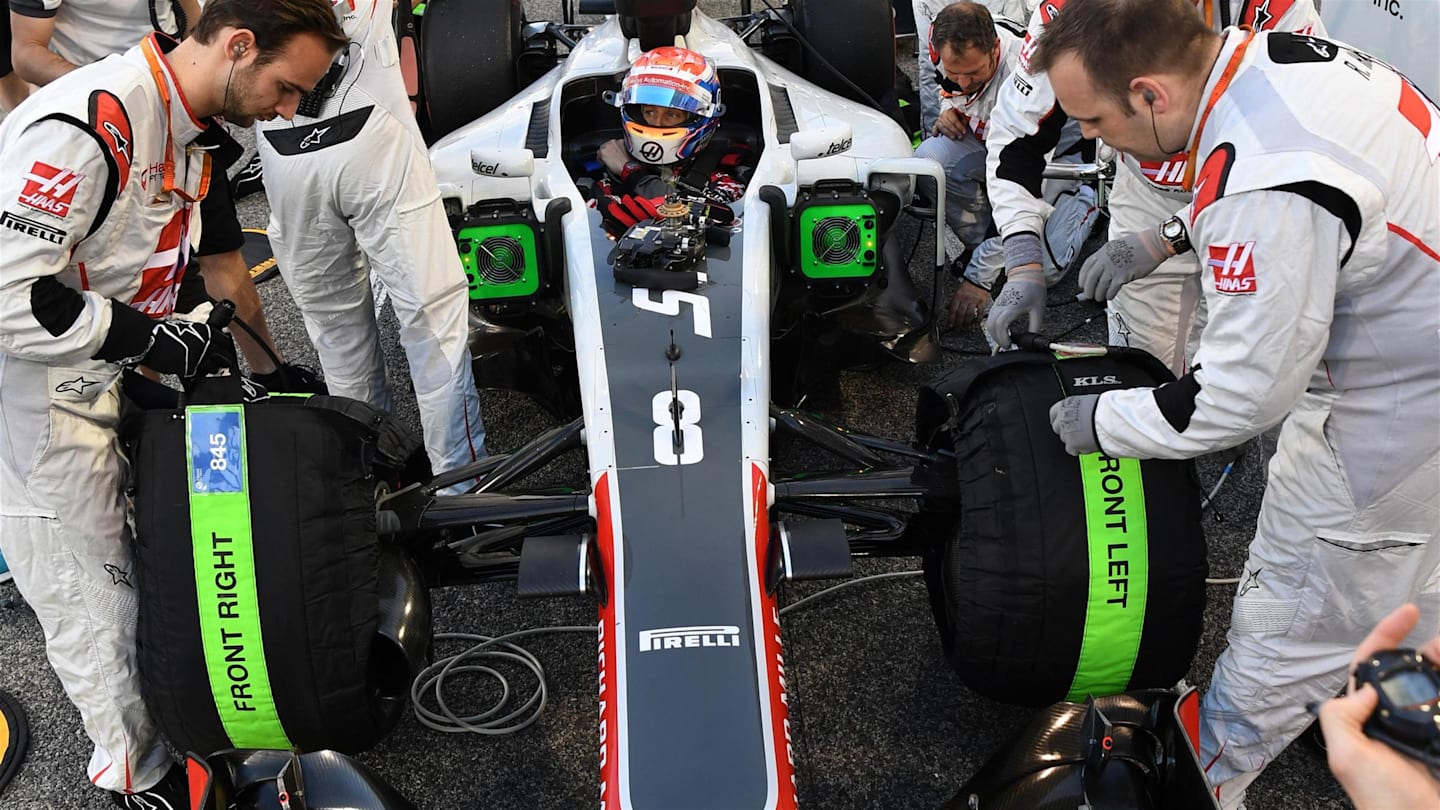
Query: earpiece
x=239, y=51
x=1148, y=95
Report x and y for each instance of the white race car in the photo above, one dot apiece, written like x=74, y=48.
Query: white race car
x=672, y=348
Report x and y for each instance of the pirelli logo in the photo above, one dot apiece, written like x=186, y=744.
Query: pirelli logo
x=30, y=227
x=679, y=638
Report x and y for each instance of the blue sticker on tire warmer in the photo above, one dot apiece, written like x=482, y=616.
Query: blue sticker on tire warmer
x=215, y=444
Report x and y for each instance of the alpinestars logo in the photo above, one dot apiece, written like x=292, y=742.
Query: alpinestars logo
x=1234, y=268
x=676, y=638
x=121, y=145
x=314, y=137
x=75, y=386
x=50, y=190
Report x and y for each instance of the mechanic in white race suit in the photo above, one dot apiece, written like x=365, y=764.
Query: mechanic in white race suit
x=1157, y=313
x=925, y=11
x=352, y=190
x=52, y=38
x=973, y=56
x=1317, y=217
x=102, y=170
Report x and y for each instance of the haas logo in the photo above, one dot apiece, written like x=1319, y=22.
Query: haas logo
x=50, y=190
x=1089, y=382
x=1166, y=173
x=1234, y=268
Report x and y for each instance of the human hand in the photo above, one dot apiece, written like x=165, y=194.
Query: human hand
x=188, y=349
x=612, y=153
x=952, y=124
x=1024, y=294
x=290, y=378
x=620, y=214
x=969, y=302
x=1121, y=261
x=1374, y=775
x=1073, y=420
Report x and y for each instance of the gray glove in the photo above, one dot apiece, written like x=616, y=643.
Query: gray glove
x=1024, y=294
x=1073, y=420
x=1121, y=261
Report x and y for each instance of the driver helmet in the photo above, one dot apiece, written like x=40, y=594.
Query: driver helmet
x=677, y=78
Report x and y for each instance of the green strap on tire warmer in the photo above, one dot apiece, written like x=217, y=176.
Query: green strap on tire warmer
x=1119, y=551
x=225, y=577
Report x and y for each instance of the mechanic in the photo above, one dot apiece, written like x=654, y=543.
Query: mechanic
x=670, y=108
x=1157, y=314
x=1319, y=218
x=52, y=38
x=1015, y=11
x=973, y=55
x=103, y=167
x=352, y=193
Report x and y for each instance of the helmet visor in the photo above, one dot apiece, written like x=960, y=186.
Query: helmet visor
x=661, y=96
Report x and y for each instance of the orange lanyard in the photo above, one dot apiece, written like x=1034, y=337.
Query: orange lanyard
x=158, y=73
x=1221, y=86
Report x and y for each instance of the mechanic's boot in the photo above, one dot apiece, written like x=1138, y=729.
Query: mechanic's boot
x=170, y=793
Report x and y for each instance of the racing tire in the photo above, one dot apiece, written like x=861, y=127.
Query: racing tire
x=467, y=60
x=857, y=37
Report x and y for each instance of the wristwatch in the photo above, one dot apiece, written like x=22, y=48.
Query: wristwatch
x=1173, y=231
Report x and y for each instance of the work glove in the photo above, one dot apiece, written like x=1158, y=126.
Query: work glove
x=1024, y=294
x=622, y=213
x=188, y=349
x=1073, y=420
x=1121, y=261
x=289, y=378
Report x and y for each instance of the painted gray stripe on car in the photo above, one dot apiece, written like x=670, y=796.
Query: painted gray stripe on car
x=693, y=711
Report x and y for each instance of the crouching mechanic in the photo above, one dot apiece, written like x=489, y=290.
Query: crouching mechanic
x=925, y=12
x=973, y=55
x=1319, y=221
x=104, y=166
x=352, y=192
x=670, y=108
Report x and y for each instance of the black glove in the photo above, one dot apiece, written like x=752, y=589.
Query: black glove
x=188, y=349
x=289, y=378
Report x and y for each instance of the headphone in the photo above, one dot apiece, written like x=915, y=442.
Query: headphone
x=1149, y=96
x=239, y=51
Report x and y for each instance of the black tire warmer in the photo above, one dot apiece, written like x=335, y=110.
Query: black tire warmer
x=269, y=610
x=1064, y=577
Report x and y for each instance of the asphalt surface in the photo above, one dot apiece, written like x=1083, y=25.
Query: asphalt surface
x=879, y=719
